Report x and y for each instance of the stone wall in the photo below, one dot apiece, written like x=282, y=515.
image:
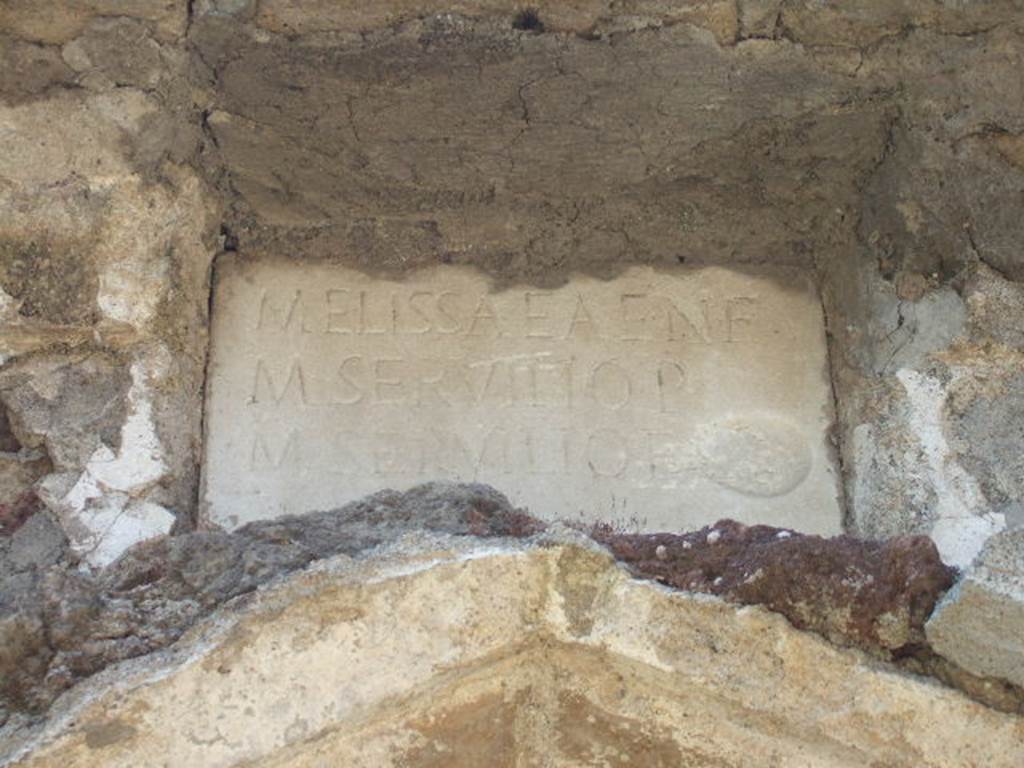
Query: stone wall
x=457, y=652
x=877, y=146
x=874, y=148
x=107, y=237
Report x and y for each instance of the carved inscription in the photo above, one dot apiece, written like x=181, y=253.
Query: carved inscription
x=527, y=315
x=522, y=381
x=663, y=399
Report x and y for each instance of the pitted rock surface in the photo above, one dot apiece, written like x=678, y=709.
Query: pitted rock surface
x=871, y=594
x=59, y=625
x=462, y=652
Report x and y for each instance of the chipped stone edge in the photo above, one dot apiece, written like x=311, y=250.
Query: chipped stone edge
x=411, y=554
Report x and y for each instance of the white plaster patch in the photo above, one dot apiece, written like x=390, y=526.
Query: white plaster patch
x=140, y=462
x=103, y=513
x=122, y=528
x=963, y=524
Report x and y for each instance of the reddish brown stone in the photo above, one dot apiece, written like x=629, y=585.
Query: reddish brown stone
x=872, y=594
x=62, y=625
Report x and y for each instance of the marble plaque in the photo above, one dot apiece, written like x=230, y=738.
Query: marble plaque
x=664, y=399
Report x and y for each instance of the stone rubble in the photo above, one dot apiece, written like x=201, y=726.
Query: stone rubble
x=868, y=594
x=979, y=624
x=464, y=652
x=62, y=625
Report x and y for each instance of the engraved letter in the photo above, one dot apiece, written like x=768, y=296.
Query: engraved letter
x=680, y=326
x=535, y=314
x=262, y=458
x=364, y=318
x=497, y=388
x=420, y=311
x=635, y=316
x=484, y=314
x=449, y=455
x=668, y=456
x=736, y=314
x=295, y=376
x=388, y=380
x=351, y=393
x=581, y=318
x=335, y=315
x=281, y=323
x=345, y=455
x=552, y=383
x=395, y=453
x=494, y=453
x=671, y=386
x=606, y=453
x=429, y=388
x=547, y=453
x=610, y=385
x=448, y=314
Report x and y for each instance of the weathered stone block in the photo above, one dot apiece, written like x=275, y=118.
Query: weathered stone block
x=461, y=653
x=664, y=399
x=56, y=23
x=980, y=623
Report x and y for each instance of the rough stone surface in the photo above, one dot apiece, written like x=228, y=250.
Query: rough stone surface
x=991, y=424
x=578, y=16
x=105, y=245
x=31, y=543
x=875, y=145
x=66, y=625
x=931, y=442
x=532, y=143
x=874, y=595
x=979, y=625
x=69, y=625
x=657, y=399
x=461, y=653
x=56, y=23
x=14, y=515
x=66, y=406
x=532, y=154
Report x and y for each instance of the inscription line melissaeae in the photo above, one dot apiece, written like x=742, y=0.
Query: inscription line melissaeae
x=641, y=316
